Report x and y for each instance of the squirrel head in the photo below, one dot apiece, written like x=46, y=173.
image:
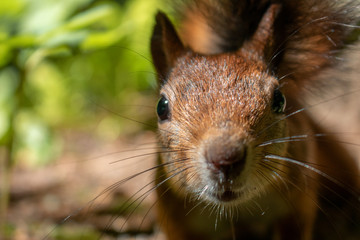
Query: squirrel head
x=215, y=110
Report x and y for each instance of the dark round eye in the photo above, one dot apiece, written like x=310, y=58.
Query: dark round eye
x=162, y=109
x=279, y=102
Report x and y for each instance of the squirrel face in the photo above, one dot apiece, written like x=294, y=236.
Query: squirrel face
x=217, y=109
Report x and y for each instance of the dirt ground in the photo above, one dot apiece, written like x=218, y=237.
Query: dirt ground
x=82, y=193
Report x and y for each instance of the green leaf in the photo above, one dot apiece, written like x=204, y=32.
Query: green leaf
x=102, y=39
x=12, y=7
x=4, y=121
x=88, y=17
x=5, y=55
x=72, y=39
x=22, y=41
x=42, y=17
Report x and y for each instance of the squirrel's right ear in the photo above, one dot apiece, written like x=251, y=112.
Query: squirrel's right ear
x=166, y=46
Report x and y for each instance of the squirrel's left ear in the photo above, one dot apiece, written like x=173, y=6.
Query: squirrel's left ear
x=166, y=46
x=262, y=42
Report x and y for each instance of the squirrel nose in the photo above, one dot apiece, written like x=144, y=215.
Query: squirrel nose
x=225, y=158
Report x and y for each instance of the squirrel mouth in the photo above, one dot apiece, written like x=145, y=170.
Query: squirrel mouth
x=226, y=196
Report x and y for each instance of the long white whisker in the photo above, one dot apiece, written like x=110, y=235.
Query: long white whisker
x=149, y=154
x=144, y=195
x=307, y=166
x=306, y=108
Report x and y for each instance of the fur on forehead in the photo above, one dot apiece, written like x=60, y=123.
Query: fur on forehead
x=223, y=72
x=202, y=87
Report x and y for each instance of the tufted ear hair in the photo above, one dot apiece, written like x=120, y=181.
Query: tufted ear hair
x=262, y=42
x=166, y=46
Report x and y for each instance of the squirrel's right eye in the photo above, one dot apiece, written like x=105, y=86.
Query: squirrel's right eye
x=279, y=102
x=162, y=109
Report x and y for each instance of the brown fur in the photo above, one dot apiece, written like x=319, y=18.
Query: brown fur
x=221, y=106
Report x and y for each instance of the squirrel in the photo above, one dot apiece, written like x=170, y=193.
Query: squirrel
x=242, y=158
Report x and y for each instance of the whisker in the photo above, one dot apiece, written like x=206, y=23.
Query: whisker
x=345, y=25
x=207, y=205
x=118, y=152
x=277, y=52
x=322, y=166
x=137, y=53
x=107, y=190
x=307, y=166
x=158, y=199
x=322, y=184
x=122, y=116
x=149, y=154
x=305, y=108
x=259, y=207
x=131, y=119
x=286, y=75
x=271, y=168
x=114, y=186
x=117, y=184
x=232, y=229
x=300, y=138
x=195, y=206
x=109, y=154
x=329, y=218
x=202, y=192
x=282, y=195
x=283, y=140
x=143, y=196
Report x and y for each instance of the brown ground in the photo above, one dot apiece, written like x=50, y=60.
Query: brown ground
x=42, y=198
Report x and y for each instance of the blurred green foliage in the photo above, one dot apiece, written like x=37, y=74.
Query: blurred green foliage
x=62, y=61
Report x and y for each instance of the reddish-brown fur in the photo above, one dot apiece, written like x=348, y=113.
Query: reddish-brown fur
x=221, y=106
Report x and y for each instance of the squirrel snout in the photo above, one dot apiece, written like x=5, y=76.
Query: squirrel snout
x=225, y=159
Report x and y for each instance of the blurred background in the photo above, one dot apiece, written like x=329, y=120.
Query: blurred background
x=77, y=95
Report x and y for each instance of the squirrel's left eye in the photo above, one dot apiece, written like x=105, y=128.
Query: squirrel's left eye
x=279, y=102
x=163, y=109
